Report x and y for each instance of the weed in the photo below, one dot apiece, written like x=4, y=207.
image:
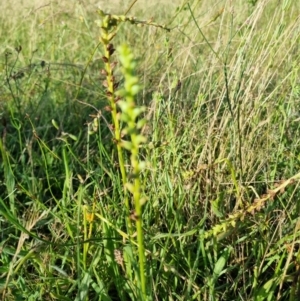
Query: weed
x=167, y=169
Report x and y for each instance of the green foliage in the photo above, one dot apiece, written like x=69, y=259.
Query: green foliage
x=166, y=169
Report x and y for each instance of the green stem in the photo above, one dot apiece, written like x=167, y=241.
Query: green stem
x=117, y=131
x=140, y=235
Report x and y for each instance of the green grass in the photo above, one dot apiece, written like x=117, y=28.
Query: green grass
x=207, y=208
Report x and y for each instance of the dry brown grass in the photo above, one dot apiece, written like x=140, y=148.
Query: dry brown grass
x=16, y=7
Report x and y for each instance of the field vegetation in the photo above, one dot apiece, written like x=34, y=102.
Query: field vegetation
x=150, y=150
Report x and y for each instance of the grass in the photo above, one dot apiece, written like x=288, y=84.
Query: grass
x=181, y=183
